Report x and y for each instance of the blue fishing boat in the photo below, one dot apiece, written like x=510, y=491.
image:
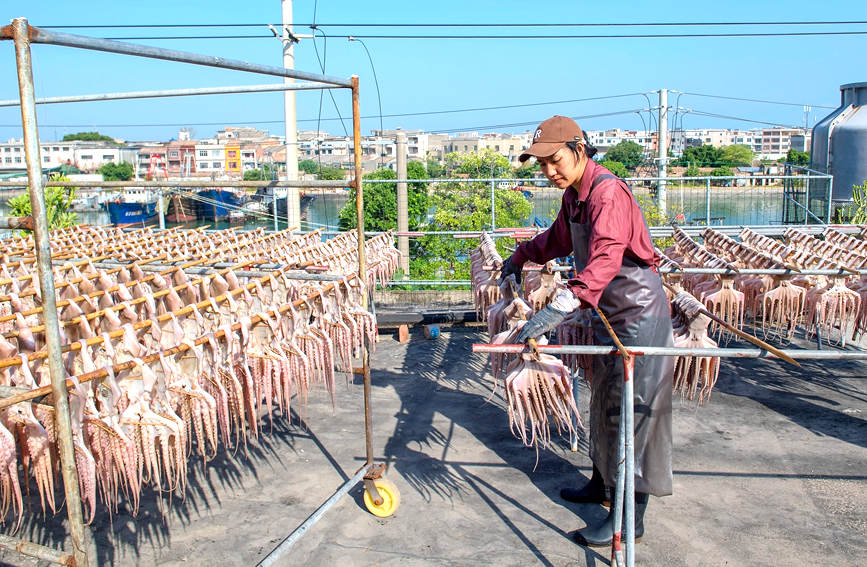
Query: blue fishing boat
x=216, y=204
x=123, y=213
x=134, y=206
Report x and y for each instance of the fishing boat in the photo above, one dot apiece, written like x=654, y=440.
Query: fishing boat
x=180, y=209
x=135, y=206
x=215, y=204
x=263, y=200
x=236, y=216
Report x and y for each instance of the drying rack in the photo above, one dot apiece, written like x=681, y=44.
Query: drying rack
x=623, y=542
x=23, y=35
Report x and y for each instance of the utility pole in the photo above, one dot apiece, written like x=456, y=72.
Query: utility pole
x=807, y=110
x=662, y=142
x=293, y=201
x=402, y=204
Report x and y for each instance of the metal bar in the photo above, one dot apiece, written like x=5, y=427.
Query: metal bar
x=574, y=435
x=41, y=35
x=830, y=196
x=707, y=203
x=493, y=211
x=807, y=201
x=274, y=207
x=655, y=231
x=314, y=183
x=257, y=273
x=428, y=282
x=56, y=370
x=35, y=550
x=290, y=540
x=171, y=93
x=808, y=212
x=327, y=183
x=161, y=209
x=536, y=181
x=724, y=271
x=619, y=489
x=25, y=223
x=627, y=407
x=676, y=351
x=362, y=266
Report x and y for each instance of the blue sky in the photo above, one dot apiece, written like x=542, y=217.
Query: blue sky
x=425, y=75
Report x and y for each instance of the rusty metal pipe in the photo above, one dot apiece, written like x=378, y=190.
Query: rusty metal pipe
x=16, y=223
x=21, y=34
x=362, y=266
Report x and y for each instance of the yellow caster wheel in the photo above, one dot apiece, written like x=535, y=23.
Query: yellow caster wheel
x=390, y=498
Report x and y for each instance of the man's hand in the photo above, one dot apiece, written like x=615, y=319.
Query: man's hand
x=550, y=317
x=510, y=268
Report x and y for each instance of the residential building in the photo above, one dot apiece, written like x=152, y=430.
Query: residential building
x=90, y=156
x=233, y=158
x=210, y=158
x=776, y=142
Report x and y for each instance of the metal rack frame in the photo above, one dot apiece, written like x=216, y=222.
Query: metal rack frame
x=23, y=35
x=625, y=489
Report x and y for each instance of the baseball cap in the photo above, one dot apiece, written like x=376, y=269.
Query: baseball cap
x=551, y=135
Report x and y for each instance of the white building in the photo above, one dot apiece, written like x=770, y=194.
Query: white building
x=210, y=157
x=90, y=156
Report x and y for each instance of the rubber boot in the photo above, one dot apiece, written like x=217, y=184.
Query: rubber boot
x=594, y=492
x=601, y=534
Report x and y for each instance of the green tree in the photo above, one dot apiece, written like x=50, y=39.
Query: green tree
x=331, y=173
x=736, y=154
x=466, y=206
x=485, y=163
x=701, y=156
x=265, y=172
x=615, y=167
x=380, y=200
x=111, y=171
x=57, y=203
x=88, y=137
x=308, y=166
x=528, y=170
x=254, y=175
x=434, y=168
x=722, y=171
x=798, y=158
x=626, y=152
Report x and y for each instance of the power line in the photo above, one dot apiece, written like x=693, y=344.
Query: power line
x=711, y=114
x=759, y=100
x=532, y=123
x=466, y=25
x=397, y=115
x=502, y=36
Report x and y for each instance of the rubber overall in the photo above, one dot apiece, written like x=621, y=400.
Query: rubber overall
x=637, y=308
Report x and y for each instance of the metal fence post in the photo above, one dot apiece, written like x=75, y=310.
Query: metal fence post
x=493, y=212
x=160, y=205
x=707, y=203
x=56, y=369
x=807, y=209
x=274, y=205
x=830, y=196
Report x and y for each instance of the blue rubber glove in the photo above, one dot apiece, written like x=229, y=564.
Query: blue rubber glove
x=550, y=317
x=510, y=268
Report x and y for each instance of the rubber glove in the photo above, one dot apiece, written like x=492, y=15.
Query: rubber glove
x=510, y=268
x=550, y=317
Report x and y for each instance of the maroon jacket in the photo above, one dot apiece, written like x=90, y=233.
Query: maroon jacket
x=617, y=228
